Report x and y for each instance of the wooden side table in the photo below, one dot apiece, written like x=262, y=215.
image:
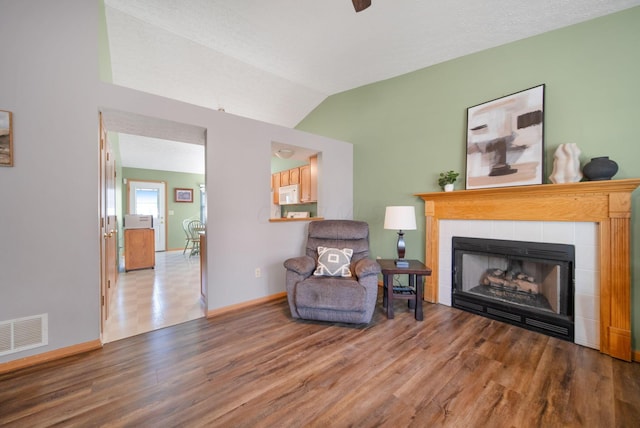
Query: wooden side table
x=413, y=293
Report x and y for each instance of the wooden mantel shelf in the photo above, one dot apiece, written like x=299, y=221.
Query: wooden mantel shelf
x=607, y=203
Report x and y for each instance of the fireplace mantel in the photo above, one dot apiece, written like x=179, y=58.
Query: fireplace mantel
x=607, y=203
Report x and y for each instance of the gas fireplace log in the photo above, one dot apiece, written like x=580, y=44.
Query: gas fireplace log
x=500, y=279
x=530, y=287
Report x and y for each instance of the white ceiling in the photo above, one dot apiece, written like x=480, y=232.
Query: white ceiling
x=151, y=143
x=276, y=60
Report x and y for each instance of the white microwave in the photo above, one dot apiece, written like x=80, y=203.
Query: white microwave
x=289, y=194
x=137, y=221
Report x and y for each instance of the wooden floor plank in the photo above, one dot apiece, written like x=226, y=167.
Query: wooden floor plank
x=258, y=367
x=626, y=385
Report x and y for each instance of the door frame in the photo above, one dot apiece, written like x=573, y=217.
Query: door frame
x=111, y=126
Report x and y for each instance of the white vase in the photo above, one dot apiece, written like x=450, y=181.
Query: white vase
x=448, y=187
x=566, y=164
x=574, y=174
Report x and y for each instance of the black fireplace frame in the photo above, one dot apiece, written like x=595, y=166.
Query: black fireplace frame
x=556, y=325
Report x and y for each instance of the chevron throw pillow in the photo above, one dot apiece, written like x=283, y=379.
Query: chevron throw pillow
x=333, y=262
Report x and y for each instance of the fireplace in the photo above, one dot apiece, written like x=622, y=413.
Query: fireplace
x=606, y=204
x=528, y=284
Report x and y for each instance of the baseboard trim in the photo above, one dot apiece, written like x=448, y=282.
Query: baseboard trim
x=225, y=310
x=635, y=356
x=49, y=356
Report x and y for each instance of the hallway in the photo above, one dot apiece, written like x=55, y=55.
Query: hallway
x=151, y=299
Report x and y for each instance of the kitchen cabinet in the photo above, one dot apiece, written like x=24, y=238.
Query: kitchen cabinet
x=305, y=183
x=139, y=249
x=308, y=181
x=306, y=176
x=275, y=186
x=284, y=178
x=294, y=176
x=313, y=169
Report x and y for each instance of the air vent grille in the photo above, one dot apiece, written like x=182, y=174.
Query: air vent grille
x=504, y=314
x=469, y=305
x=23, y=333
x=5, y=338
x=547, y=326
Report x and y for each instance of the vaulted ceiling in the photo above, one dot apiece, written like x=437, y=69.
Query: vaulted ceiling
x=276, y=60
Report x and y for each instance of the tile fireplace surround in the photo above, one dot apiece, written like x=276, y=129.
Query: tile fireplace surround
x=607, y=204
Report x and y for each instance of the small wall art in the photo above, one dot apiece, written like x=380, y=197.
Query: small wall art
x=505, y=144
x=6, y=138
x=183, y=195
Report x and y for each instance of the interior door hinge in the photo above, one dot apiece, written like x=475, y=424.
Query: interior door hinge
x=101, y=221
x=102, y=300
x=108, y=283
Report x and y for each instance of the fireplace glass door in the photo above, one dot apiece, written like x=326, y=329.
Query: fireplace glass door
x=522, y=282
x=531, y=283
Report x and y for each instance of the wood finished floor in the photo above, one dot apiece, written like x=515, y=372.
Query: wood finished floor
x=149, y=299
x=257, y=367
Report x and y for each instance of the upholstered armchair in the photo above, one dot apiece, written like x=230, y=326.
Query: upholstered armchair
x=335, y=280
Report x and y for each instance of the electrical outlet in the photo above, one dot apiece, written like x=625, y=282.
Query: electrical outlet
x=258, y=273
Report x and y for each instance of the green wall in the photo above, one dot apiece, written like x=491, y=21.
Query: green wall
x=181, y=210
x=278, y=164
x=408, y=129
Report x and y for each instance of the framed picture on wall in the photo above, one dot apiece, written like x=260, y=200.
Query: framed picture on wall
x=505, y=144
x=183, y=195
x=6, y=138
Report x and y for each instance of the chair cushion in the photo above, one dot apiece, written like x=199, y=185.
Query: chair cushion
x=333, y=262
x=340, y=294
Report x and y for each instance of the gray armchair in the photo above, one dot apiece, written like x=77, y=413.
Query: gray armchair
x=349, y=299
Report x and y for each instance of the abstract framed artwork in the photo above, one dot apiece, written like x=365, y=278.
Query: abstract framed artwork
x=505, y=141
x=6, y=138
x=183, y=195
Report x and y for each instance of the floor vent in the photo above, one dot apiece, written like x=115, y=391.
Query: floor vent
x=504, y=314
x=23, y=333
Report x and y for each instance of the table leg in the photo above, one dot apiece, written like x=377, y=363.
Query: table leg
x=412, y=302
x=389, y=281
x=384, y=291
x=419, y=292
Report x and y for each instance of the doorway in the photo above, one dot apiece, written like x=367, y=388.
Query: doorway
x=169, y=294
x=150, y=198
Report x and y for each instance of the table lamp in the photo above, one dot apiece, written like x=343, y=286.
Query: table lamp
x=400, y=218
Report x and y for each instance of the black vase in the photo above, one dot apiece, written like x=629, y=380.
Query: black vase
x=601, y=168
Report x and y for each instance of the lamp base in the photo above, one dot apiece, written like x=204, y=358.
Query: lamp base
x=402, y=263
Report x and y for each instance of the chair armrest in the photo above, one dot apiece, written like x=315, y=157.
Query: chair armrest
x=366, y=267
x=303, y=265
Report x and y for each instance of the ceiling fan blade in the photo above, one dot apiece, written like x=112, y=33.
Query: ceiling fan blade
x=361, y=5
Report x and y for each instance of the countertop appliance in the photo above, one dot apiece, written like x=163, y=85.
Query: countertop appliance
x=289, y=194
x=138, y=221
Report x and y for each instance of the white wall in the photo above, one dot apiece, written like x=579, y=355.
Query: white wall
x=49, y=235
x=240, y=237
x=49, y=254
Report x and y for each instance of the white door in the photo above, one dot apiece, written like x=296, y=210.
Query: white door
x=149, y=198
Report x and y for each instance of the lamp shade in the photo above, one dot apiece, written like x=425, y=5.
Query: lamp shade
x=400, y=218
